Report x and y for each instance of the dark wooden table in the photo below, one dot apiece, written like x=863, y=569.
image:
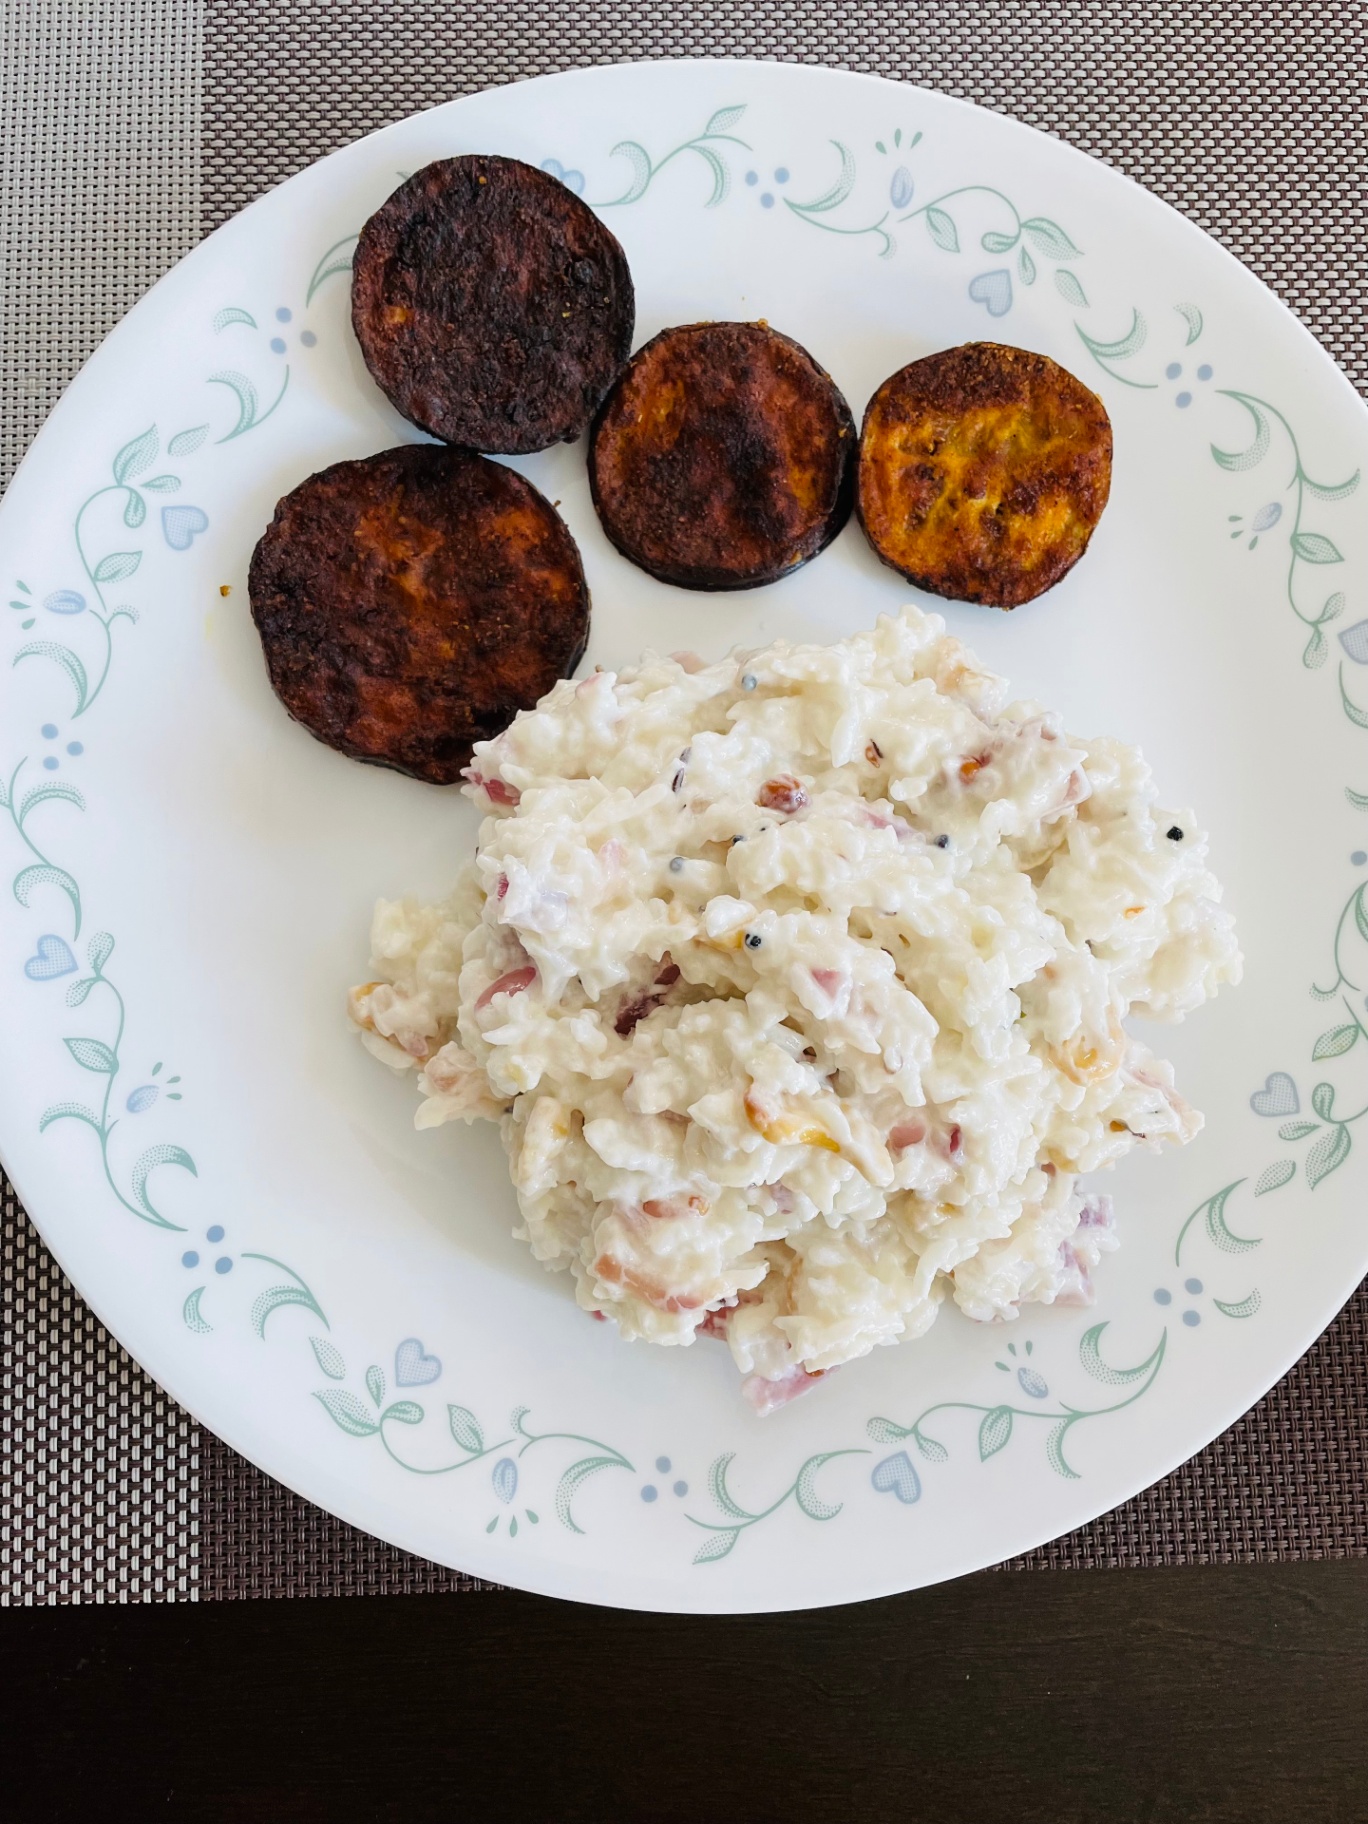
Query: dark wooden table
x=1235, y=1694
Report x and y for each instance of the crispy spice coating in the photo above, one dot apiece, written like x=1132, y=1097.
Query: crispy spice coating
x=983, y=472
x=412, y=603
x=492, y=306
x=723, y=458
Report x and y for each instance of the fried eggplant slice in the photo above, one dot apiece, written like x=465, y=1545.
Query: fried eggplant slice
x=492, y=306
x=723, y=458
x=412, y=603
x=983, y=473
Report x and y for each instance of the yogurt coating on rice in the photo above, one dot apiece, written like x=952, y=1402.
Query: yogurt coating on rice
x=797, y=986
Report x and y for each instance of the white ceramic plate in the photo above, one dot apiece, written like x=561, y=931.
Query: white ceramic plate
x=238, y=1189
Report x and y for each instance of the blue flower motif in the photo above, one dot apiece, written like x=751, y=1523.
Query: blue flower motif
x=505, y=1479
x=64, y=601
x=1355, y=642
x=901, y=188
x=141, y=1098
x=1029, y=1380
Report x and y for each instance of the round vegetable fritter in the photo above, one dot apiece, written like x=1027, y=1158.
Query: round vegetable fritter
x=723, y=458
x=412, y=603
x=492, y=306
x=983, y=472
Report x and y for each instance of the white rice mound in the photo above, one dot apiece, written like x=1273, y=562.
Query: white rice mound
x=796, y=984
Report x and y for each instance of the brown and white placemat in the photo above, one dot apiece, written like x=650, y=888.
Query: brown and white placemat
x=127, y=127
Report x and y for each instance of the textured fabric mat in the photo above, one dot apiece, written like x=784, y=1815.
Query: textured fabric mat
x=99, y=194
x=1249, y=121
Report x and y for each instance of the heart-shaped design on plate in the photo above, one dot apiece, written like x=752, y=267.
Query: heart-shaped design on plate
x=573, y=180
x=993, y=290
x=52, y=958
x=897, y=1475
x=1277, y=1097
x=412, y=1368
x=181, y=526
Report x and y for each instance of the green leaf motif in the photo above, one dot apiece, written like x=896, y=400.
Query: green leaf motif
x=135, y=509
x=1069, y=288
x=931, y=1448
x=805, y=1490
x=839, y=191
x=1026, y=267
x=1327, y=1155
x=162, y=484
x=275, y=1298
x=100, y=951
x=329, y=1357
x=375, y=1384
x=1316, y=548
x=1333, y=609
x=337, y=259
x=1090, y=1357
x=1339, y=490
x=1359, y=717
x=720, y=176
x=1335, y=1043
x=995, y=1432
x=191, y=1315
x=1219, y=1230
x=44, y=874
x=67, y=1111
x=1124, y=346
x=148, y=1162
x=1054, y=1449
x=725, y=119
x=465, y=1428
x=136, y=455
x=573, y=1479
x=1361, y=914
x=716, y=1547
x=92, y=1054
x=1193, y=318
x=1323, y=1101
x=997, y=242
x=1359, y=800
x=1296, y=1130
x=404, y=1412
x=117, y=566
x=233, y=314
x=1316, y=651
x=346, y=1411
x=67, y=659
x=717, y=1485
x=56, y=788
x=1239, y=460
x=884, y=1431
x=76, y=994
x=1049, y=238
x=640, y=161
x=1245, y=1307
x=185, y=443
x=942, y=230
x=1273, y=1177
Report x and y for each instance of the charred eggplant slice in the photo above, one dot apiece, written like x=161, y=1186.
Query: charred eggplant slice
x=492, y=306
x=723, y=458
x=412, y=603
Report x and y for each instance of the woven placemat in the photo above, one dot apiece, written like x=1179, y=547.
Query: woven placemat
x=1251, y=123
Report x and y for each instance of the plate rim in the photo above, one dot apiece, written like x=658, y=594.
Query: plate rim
x=539, y=1576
